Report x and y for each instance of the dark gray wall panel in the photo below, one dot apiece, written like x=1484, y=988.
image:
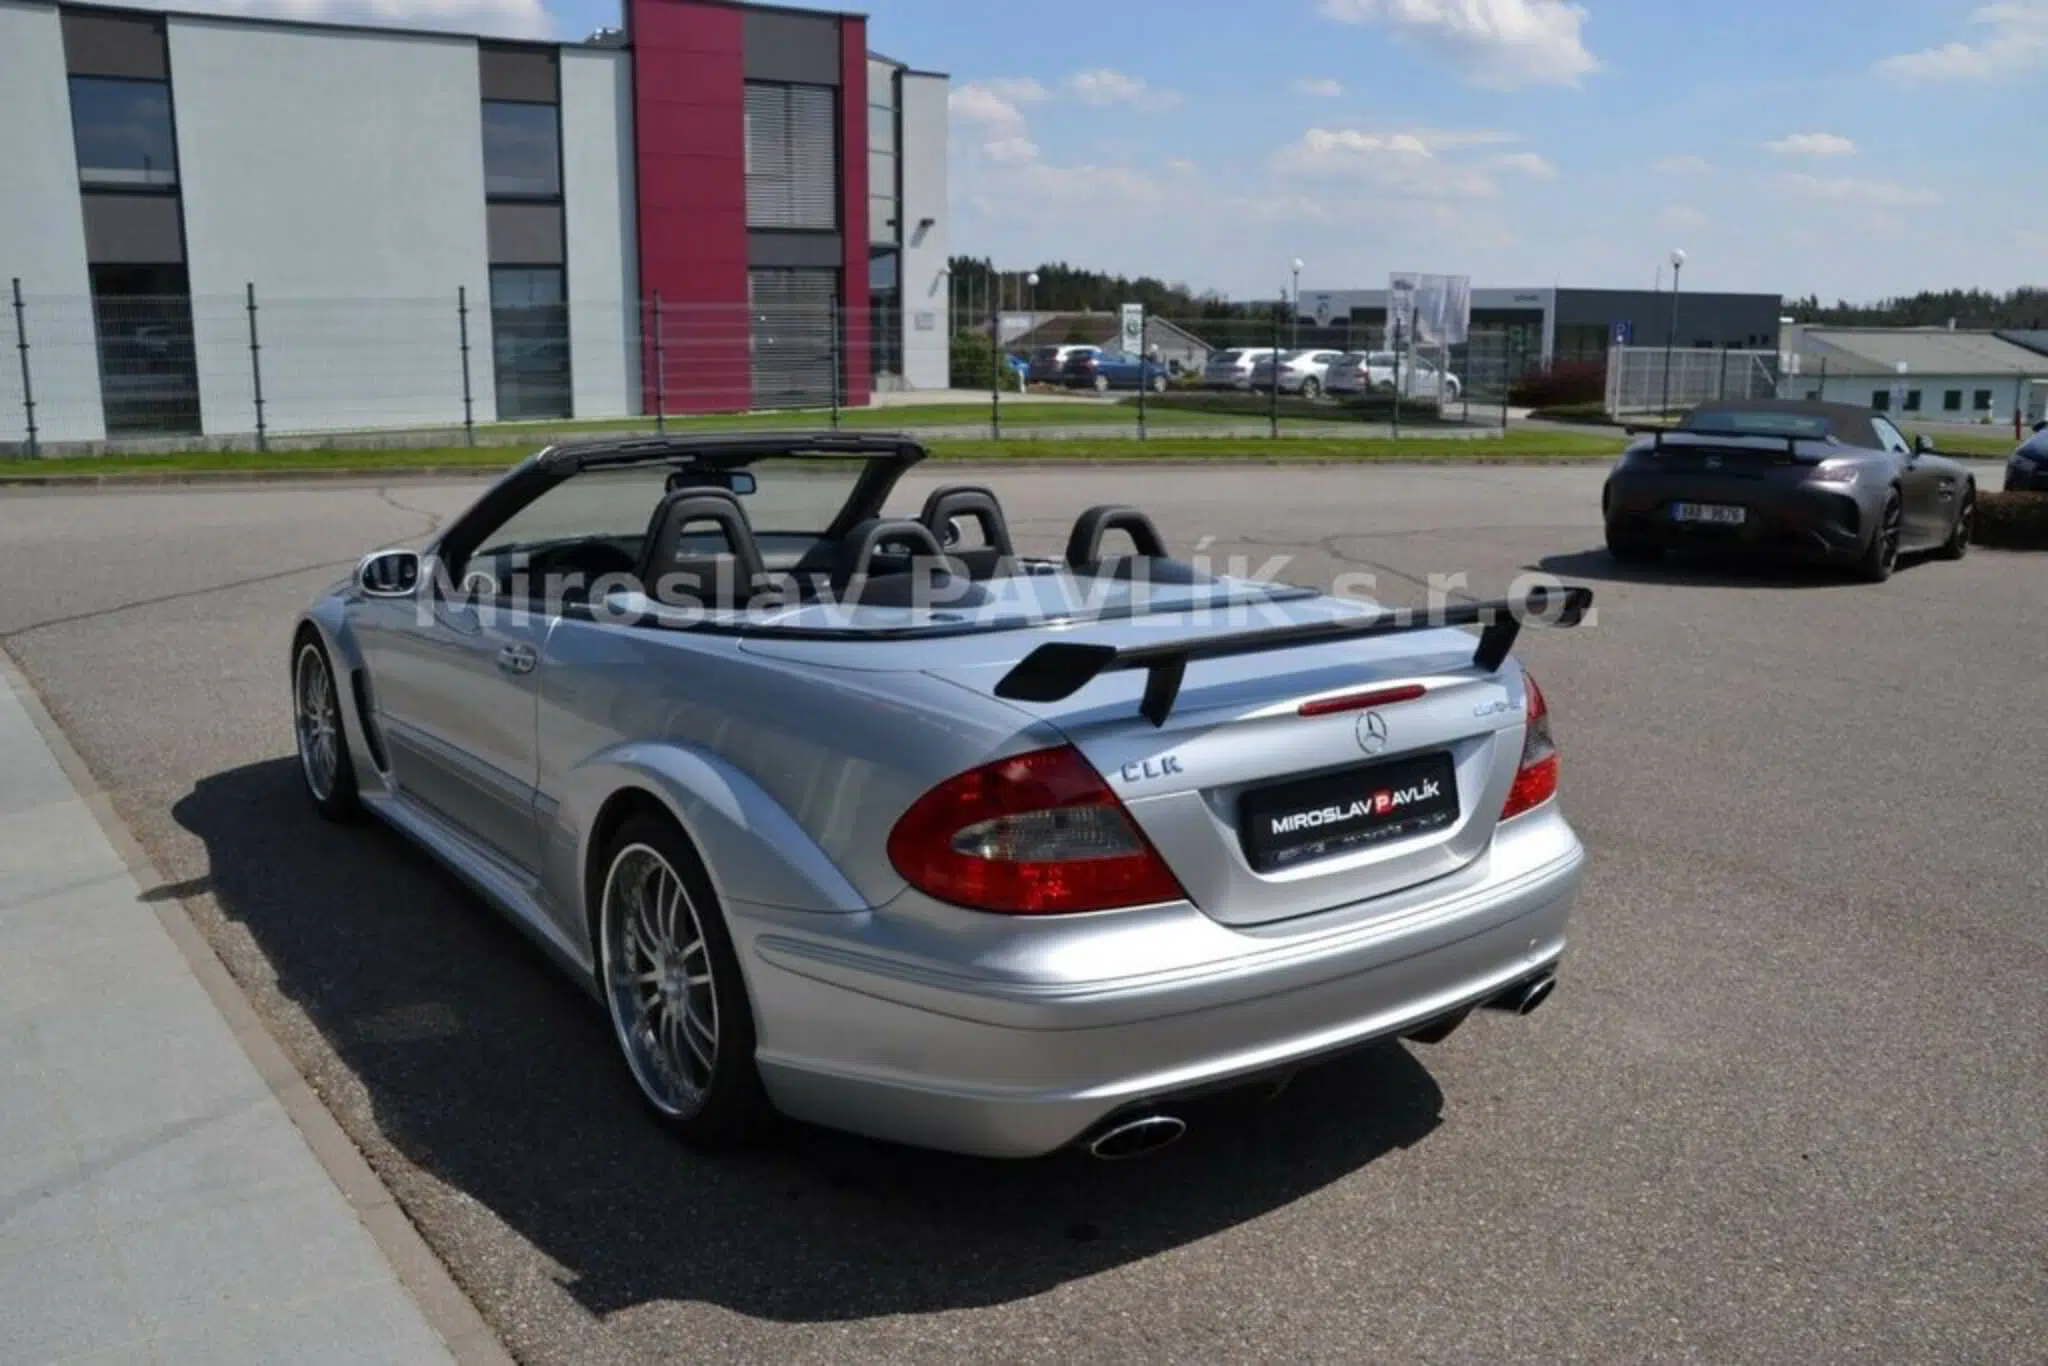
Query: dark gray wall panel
x=115, y=45
x=525, y=234
x=132, y=230
x=802, y=49
x=518, y=73
x=795, y=250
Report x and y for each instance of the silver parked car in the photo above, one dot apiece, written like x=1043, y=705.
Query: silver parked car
x=876, y=823
x=1232, y=368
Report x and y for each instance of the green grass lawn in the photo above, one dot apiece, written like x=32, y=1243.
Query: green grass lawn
x=1513, y=447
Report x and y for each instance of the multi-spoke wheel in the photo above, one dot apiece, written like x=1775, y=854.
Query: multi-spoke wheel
x=1882, y=557
x=1958, y=543
x=316, y=716
x=672, y=986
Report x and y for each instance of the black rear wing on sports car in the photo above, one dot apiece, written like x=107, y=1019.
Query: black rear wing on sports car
x=1054, y=672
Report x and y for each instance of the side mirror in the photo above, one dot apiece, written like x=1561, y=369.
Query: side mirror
x=1923, y=444
x=389, y=574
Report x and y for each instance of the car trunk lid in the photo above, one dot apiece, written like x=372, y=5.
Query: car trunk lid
x=1283, y=786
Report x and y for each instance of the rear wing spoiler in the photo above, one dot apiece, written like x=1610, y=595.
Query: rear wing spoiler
x=1054, y=672
x=1791, y=439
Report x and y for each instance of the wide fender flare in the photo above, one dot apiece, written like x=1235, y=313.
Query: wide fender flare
x=328, y=619
x=754, y=851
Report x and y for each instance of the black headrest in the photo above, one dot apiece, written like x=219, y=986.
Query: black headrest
x=677, y=573
x=967, y=500
x=897, y=563
x=1084, y=546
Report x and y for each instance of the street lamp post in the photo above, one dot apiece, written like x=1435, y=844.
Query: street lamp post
x=1031, y=302
x=1671, y=327
x=1295, y=335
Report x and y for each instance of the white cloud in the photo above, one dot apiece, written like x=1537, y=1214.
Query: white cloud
x=1010, y=150
x=1682, y=164
x=1407, y=161
x=974, y=103
x=1813, y=145
x=1498, y=44
x=2014, y=41
x=1103, y=86
x=488, y=18
x=1529, y=164
x=1319, y=87
x=1851, y=190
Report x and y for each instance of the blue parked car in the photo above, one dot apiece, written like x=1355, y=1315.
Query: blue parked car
x=1106, y=370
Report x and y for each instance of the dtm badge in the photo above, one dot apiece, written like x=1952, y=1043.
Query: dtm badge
x=1145, y=770
x=1372, y=732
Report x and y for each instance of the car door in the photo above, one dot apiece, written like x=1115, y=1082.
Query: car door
x=456, y=698
x=1925, y=519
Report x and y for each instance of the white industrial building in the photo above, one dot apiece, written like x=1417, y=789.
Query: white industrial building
x=1925, y=375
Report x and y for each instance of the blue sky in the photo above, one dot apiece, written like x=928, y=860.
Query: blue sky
x=1852, y=148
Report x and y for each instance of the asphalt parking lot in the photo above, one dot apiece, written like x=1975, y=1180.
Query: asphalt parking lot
x=1790, y=1102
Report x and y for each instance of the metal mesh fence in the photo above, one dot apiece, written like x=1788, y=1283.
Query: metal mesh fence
x=1648, y=379
x=252, y=369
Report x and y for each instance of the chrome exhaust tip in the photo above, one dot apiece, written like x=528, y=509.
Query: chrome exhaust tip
x=1135, y=1137
x=1524, y=997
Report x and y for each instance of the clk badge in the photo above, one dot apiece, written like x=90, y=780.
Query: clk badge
x=1372, y=732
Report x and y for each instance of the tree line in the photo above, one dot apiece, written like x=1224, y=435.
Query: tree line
x=1974, y=309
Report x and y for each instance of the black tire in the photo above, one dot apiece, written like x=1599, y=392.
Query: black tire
x=729, y=1107
x=1881, y=557
x=1311, y=388
x=330, y=782
x=1629, y=547
x=1958, y=543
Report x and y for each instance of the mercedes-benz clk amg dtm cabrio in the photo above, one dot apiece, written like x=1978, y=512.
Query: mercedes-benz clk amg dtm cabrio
x=873, y=822
x=1824, y=482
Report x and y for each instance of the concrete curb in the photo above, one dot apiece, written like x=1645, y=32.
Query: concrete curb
x=447, y=1310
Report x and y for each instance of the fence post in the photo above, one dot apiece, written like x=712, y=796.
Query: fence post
x=28, y=393
x=995, y=375
x=660, y=371
x=1507, y=379
x=462, y=321
x=256, y=368
x=833, y=342
x=1273, y=400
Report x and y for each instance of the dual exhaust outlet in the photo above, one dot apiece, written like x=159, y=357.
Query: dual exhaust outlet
x=1131, y=1136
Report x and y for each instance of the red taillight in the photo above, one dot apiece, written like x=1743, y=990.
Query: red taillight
x=1536, y=778
x=1035, y=834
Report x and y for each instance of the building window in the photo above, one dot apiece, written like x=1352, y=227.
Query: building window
x=1951, y=400
x=530, y=341
x=1881, y=400
x=1981, y=400
x=885, y=314
x=522, y=151
x=124, y=133
x=792, y=150
x=1912, y=400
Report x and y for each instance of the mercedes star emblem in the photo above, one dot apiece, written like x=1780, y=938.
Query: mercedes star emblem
x=1372, y=732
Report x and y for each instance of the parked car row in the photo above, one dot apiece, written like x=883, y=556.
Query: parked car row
x=1095, y=367
x=1312, y=373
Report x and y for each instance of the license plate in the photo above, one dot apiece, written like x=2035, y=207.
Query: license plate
x=1336, y=813
x=1708, y=512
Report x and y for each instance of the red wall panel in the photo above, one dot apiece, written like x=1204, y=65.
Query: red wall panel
x=689, y=133
x=853, y=214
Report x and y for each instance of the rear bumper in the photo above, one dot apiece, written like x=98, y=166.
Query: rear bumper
x=930, y=1055
x=1809, y=521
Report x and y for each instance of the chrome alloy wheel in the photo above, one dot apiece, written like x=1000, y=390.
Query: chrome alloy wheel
x=318, y=721
x=1888, y=534
x=658, y=980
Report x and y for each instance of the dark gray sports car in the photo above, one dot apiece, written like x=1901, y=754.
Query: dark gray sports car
x=1817, y=481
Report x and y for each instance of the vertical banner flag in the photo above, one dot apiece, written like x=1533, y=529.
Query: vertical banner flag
x=1134, y=330
x=1439, y=308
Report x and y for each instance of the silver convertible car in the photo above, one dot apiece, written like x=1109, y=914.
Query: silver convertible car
x=875, y=823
